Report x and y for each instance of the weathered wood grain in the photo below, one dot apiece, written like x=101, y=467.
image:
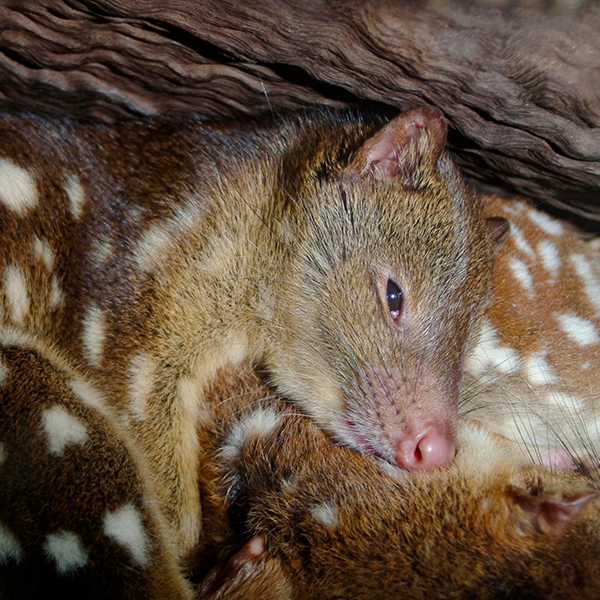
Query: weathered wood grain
x=520, y=88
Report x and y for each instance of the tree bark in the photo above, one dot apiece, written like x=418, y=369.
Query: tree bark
x=520, y=88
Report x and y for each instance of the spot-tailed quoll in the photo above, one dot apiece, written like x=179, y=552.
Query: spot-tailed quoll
x=343, y=253
x=297, y=516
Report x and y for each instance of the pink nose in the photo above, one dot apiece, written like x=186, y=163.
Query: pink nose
x=426, y=451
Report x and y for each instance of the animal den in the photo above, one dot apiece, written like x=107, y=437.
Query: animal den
x=294, y=354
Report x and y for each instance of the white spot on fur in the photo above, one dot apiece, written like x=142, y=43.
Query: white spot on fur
x=594, y=243
x=103, y=252
x=3, y=374
x=521, y=272
x=76, y=195
x=57, y=298
x=62, y=429
x=141, y=382
x=67, y=550
x=88, y=394
x=570, y=404
x=538, y=371
x=488, y=353
x=513, y=209
x=94, y=334
x=584, y=271
x=43, y=252
x=10, y=549
x=256, y=546
x=17, y=187
x=550, y=257
x=159, y=237
x=519, y=240
x=325, y=513
x=151, y=245
x=259, y=423
x=125, y=527
x=579, y=330
x=17, y=296
x=546, y=223
x=191, y=393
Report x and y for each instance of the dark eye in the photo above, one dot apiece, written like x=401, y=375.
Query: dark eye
x=394, y=299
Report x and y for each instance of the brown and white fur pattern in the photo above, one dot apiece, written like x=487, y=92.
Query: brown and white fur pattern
x=534, y=373
x=107, y=279
x=286, y=513
x=153, y=253
x=78, y=513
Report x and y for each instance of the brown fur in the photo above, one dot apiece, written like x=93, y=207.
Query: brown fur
x=490, y=526
x=190, y=246
x=153, y=253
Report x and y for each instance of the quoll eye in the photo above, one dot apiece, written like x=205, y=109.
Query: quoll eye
x=394, y=299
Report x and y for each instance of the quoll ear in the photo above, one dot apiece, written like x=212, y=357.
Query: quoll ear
x=401, y=147
x=499, y=228
x=551, y=513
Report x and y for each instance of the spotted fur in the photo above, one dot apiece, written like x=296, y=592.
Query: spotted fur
x=107, y=272
x=78, y=513
x=534, y=373
x=152, y=253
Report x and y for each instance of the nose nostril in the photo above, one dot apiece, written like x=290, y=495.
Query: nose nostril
x=429, y=450
x=418, y=454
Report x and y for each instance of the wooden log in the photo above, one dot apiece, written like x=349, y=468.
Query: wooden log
x=520, y=88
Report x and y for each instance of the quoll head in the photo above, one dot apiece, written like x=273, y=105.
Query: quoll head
x=391, y=271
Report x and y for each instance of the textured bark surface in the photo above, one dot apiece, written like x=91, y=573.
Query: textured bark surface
x=520, y=88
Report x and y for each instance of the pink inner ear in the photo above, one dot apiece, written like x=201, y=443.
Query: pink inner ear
x=415, y=129
x=551, y=513
x=560, y=514
x=382, y=152
x=400, y=147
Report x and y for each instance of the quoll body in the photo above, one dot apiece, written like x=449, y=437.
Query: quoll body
x=344, y=254
x=285, y=514
x=534, y=373
x=78, y=514
x=321, y=521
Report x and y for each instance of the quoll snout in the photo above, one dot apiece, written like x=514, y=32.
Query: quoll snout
x=411, y=420
x=425, y=448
